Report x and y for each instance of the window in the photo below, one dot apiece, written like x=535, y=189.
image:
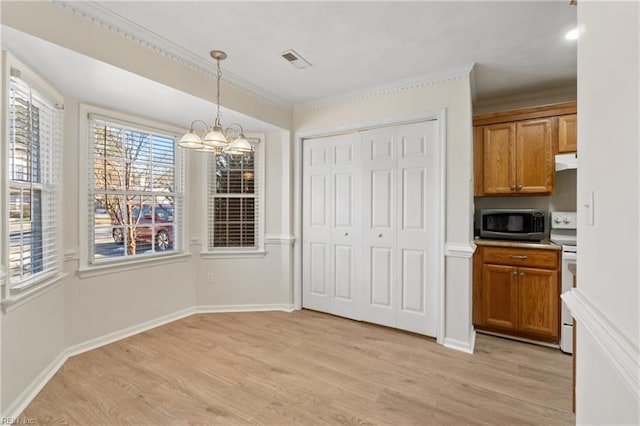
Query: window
x=34, y=152
x=235, y=201
x=135, y=191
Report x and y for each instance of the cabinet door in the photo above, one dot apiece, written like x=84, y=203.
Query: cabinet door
x=499, y=158
x=534, y=153
x=538, y=302
x=568, y=133
x=500, y=296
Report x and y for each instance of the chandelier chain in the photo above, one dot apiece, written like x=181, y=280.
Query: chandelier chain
x=218, y=93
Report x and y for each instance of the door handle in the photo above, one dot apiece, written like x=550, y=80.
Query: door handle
x=379, y=235
x=513, y=256
x=346, y=234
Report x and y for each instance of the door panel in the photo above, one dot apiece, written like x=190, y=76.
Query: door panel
x=316, y=206
x=500, y=296
x=330, y=200
x=417, y=234
x=413, y=279
x=534, y=148
x=499, y=158
x=379, y=198
x=343, y=275
x=538, y=302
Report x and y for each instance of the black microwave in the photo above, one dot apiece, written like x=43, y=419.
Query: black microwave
x=512, y=224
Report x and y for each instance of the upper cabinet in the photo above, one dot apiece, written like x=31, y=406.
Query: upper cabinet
x=568, y=133
x=514, y=151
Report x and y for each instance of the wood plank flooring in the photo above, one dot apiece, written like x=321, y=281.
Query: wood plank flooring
x=304, y=367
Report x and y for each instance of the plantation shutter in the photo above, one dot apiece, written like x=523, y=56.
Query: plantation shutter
x=234, y=200
x=35, y=154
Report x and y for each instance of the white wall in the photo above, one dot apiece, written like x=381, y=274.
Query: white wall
x=454, y=95
x=609, y=255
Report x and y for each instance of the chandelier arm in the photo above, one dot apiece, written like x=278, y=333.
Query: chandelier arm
x=206, y=126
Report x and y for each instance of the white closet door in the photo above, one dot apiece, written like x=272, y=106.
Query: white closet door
x=316, y=206
x=379, y=253
x=331, y=228
x=418, y=226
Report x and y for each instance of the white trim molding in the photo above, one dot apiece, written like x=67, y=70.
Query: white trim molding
x=285, y=240
x=228, y=254
x=120, y=266
x=121, y=25
x=13, y=301
x=464, y=251
x=618, y=349
x=460, y=345
x=393, y=87
x=214, y=309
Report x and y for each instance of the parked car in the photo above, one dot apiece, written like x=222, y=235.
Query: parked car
x=163, y=229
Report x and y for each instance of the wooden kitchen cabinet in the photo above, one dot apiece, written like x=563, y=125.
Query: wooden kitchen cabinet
x=514, y=150
x=518, y=158
x=568, y=133
x=516, y=292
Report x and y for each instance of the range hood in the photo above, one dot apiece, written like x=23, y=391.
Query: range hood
x=566, y=162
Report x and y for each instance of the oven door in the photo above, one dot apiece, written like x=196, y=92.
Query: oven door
x=569, y=255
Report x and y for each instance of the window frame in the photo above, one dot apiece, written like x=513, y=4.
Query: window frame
x=88, y=266
x=209, y=252
x=47, y=279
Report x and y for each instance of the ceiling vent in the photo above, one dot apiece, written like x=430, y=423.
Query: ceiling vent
x=296, y=60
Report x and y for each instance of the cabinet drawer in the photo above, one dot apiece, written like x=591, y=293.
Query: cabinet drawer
x=547, y=259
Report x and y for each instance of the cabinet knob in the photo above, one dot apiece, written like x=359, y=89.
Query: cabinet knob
x=513, y=187
x=515, y=274
x=519, y=187
x=522, y=274
x=513, y=256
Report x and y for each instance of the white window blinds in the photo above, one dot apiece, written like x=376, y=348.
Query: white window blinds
x=135, y=191
x=235, y=200
x=34, y=154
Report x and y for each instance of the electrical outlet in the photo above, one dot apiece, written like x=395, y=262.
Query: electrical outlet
x=210, y=277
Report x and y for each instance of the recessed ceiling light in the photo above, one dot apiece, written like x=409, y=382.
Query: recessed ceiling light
x=572, y=35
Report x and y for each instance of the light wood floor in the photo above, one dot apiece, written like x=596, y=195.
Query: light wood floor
x=308, y=368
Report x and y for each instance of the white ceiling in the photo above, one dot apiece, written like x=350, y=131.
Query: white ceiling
x=517, y=47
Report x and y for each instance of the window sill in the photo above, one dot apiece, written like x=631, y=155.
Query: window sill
x=14, y=301
x=230, y=254
x=115, y=267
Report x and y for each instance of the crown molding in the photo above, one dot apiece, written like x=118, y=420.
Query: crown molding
x=105, y=18
x=390, y=88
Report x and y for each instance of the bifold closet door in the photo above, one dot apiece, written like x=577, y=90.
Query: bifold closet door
x=401, y=202
x=330, y=226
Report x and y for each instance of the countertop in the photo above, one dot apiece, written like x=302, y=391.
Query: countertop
x=544, y=244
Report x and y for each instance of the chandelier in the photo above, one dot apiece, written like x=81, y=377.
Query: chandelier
x=214, y=138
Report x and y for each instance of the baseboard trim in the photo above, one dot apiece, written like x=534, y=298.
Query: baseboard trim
x=212, y=309
x=461, y=345
x=128, y=332
x=25, y=398
x=617, y=348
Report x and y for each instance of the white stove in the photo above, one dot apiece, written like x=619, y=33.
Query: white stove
x=564, y=232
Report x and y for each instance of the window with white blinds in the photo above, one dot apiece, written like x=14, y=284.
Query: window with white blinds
x=135, y=191
x=235, y=187
x=33, y=184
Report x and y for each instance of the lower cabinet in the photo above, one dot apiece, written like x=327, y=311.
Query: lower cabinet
x=516, y=291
